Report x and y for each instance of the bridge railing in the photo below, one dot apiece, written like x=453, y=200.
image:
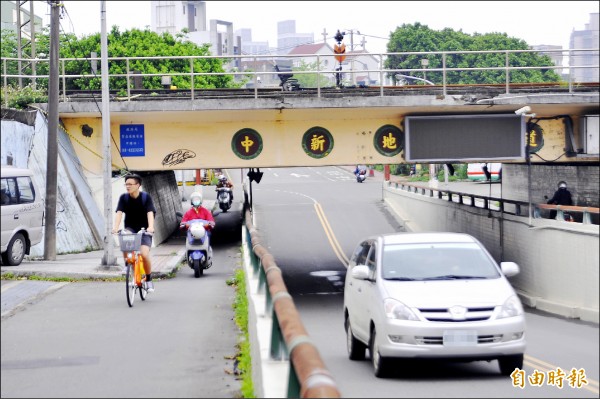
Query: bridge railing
x=587, y=215
x=323, y=66
x=289, y=341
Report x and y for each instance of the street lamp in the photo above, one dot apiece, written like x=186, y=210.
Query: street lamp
x=424, y=63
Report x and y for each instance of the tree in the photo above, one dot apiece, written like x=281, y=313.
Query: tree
x=311, y=80
x=419, y=38
x=130, y=43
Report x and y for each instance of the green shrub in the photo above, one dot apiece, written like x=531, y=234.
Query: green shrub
x=20, y=98
x=240, y=307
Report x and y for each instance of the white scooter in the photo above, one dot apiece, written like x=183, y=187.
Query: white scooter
x=197, y=245
x=361, y=176
x=224, y=198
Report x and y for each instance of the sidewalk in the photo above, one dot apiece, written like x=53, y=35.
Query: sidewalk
x=165, y=258
x=88, y=265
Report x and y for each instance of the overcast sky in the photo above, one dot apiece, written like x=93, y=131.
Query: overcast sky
x=536, y=22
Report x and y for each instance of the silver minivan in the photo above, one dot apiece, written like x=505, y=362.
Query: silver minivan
x=22, y=214
x=434, y=295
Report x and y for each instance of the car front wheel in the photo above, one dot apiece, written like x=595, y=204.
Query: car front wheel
x=508, y=364
x=356, y=349
x=380, y=364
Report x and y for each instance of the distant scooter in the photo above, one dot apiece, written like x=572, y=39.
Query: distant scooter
x=197, y=245
x=361, y=176
x=224, y=198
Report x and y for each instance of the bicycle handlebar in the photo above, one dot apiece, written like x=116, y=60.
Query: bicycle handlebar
x=142, y=231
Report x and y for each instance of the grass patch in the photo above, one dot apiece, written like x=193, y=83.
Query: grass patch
x=12, y=276
x=240, y=307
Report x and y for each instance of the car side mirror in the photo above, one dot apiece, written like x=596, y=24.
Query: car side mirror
x=360, y=272
x=509, y=269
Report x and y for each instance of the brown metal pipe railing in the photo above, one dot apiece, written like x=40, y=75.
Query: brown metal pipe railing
x=314, y=378
x=520, y=207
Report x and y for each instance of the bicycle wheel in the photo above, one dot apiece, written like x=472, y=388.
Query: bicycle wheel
x=130, y=285
x=143, y=287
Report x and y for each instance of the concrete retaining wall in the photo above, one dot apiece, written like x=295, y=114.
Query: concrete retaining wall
x=80, y=224
x=558, y=260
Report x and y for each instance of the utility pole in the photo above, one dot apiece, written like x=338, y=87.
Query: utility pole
x=109, y=258
x=19, y=45
x=352, y=59
x=32, y=33
x=21, y=32
x=352, y=49
x=324, y=34
x=52, y=161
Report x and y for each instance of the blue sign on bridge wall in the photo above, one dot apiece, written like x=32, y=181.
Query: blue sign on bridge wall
x=132, y=141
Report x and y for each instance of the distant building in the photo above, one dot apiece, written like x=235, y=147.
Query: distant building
x=585, y=39
x=555, y=53
x=365, y=66
x=8, y=16
x=359, y=67
x=249, y=46
x=174, y=16
x=287, y=38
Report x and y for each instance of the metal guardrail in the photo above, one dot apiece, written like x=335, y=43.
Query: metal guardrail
x=381, y=71
x=511, y=207
x=585, y=211
x=308, y=377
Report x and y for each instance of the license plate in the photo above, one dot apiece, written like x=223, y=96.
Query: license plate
x=460, y=338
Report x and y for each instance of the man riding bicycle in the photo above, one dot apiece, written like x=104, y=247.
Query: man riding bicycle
x=139, y=211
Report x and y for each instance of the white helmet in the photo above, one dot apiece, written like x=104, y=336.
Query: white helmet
x=196, y=199
x=197, y=230
x=223, y=178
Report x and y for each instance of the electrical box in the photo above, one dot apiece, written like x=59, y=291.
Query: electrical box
x=591, y=134
x=467, y=138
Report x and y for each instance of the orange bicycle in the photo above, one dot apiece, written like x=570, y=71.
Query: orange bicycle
x=135, y=275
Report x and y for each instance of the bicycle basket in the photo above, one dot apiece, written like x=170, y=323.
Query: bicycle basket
x=130, y=242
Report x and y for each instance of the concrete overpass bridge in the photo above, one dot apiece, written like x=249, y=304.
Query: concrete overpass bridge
x=335, y=127
x=158, y=130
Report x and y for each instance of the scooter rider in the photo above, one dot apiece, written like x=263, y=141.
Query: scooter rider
x=224, y=182
x=362, y=169
x=197, y=211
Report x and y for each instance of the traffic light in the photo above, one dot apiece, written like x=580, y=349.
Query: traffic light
x=255, y=176
x=339, y=49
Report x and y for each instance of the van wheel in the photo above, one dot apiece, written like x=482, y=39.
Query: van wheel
x=15, y=251
x=508, y=364
x=381, y=365
x=356, y=349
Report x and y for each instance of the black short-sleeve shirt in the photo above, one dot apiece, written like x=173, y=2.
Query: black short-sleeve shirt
x=136, y=214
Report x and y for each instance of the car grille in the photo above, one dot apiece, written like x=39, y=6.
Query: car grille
x=467, y=314
x=481, y=339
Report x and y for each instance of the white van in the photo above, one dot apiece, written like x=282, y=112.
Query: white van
x=22, y=214
x=431, y=295
x=476, y=172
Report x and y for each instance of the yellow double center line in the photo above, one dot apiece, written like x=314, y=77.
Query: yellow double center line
x=337, y=249
x=540, y=365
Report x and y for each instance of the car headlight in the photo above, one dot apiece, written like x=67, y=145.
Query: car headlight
x=511, y=308
x=397, y=310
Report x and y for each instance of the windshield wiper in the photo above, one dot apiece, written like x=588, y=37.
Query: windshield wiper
x=401, y=278
x=455, y=277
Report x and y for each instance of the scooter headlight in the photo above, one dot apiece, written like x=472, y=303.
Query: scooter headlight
x=197, y=231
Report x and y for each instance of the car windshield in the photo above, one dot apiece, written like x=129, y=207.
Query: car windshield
x=436, y=261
